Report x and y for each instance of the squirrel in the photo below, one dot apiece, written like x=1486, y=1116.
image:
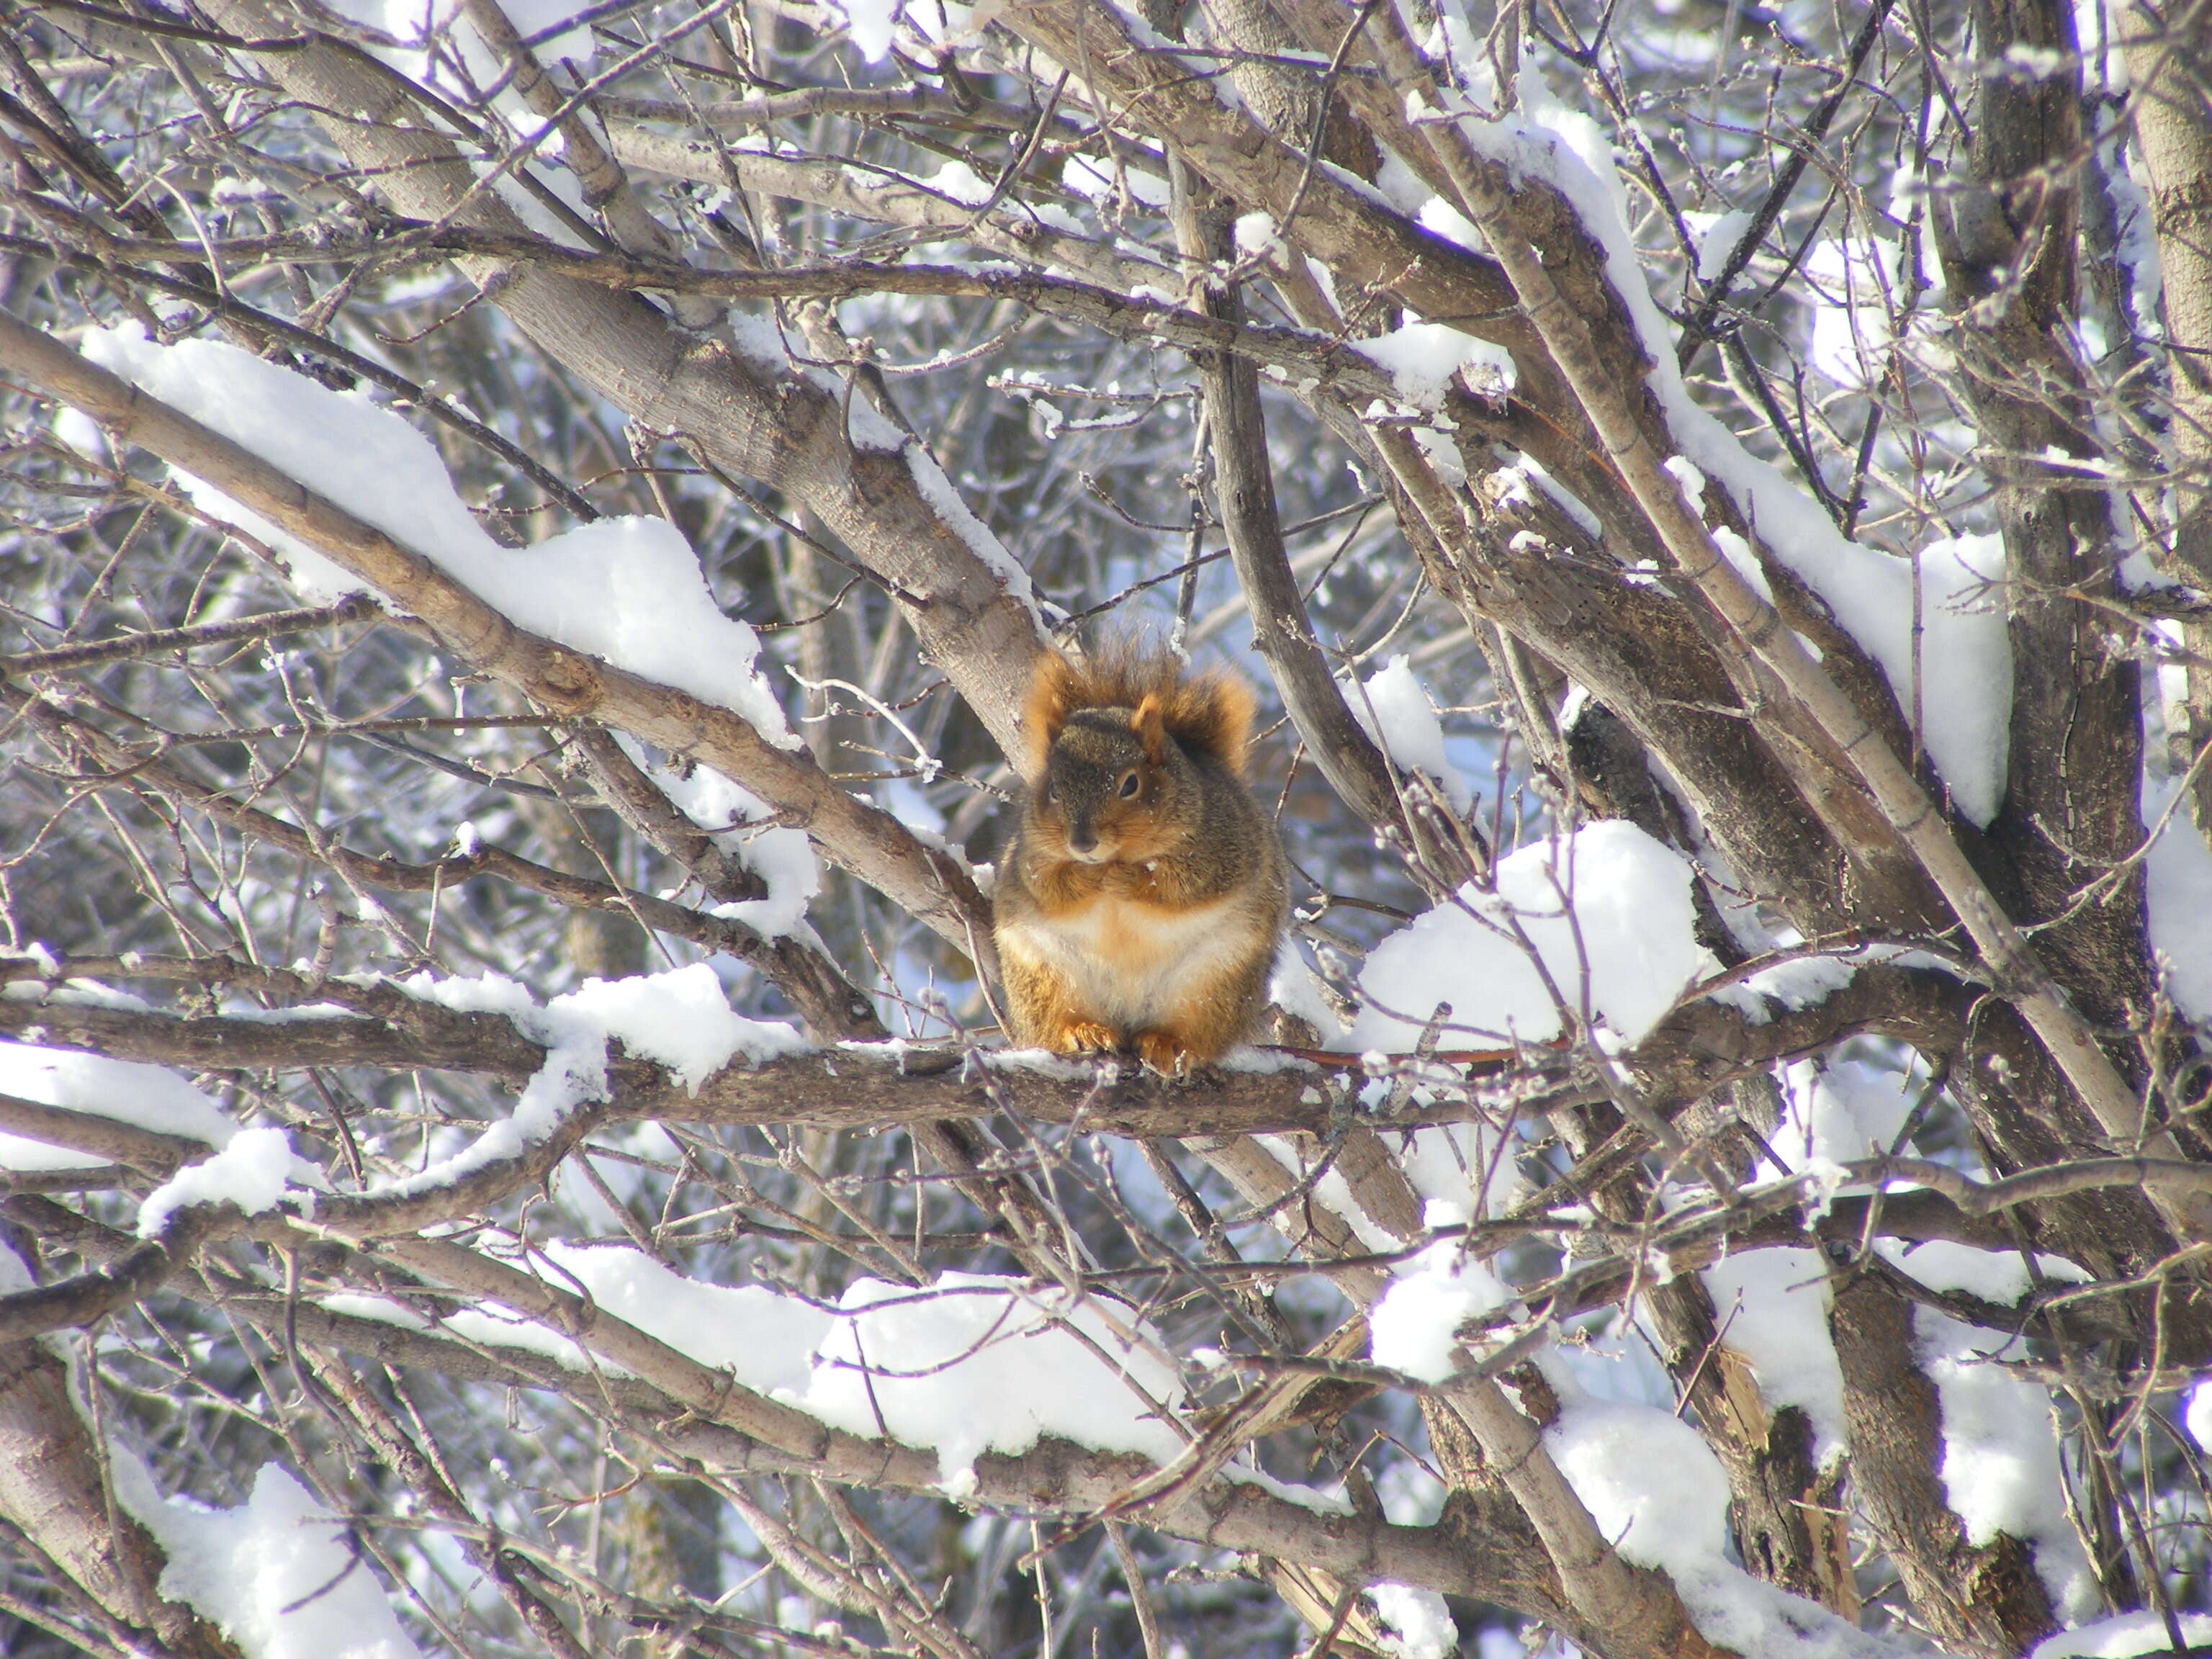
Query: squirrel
x=1141, y=898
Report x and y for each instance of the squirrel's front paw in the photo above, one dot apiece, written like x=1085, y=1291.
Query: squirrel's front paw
x=1083, y=1037
x=1163, y=1052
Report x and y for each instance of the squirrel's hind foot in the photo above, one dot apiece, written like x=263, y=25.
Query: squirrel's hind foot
x=1164, y=1054
x=1082, y=1036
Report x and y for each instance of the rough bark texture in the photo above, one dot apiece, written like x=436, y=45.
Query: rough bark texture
x=1984, y=1600
x=1783, y=1510
x=54, y=1491
x=2173, y=123
x=2007, y=242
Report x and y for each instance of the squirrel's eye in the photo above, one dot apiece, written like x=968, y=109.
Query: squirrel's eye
x=1128, y=785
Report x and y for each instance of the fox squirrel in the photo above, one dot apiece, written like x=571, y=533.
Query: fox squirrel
x=1139, y=903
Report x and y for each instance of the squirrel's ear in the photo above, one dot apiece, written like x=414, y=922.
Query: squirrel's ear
x=1149, y=723
x=1051, y=696
x=1217, y=717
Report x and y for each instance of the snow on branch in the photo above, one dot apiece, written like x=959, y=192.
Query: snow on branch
x=752, y=415
x=874, y=845
x=1651, y=1225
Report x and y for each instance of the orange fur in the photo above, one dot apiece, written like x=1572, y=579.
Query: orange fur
x=1139, y=903
x=1209, y=711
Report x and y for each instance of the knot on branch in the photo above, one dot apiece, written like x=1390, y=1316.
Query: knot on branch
x=567, y=682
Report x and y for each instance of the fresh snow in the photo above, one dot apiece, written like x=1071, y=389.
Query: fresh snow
x=2000, y=1467
x=1419, y=1626
x=969, y=1364
x=627, y=589
x=1802, y=982
x=781, y=856
x=680, y=1020
x=1297, y=989
x=146, y=1097
x=1648, y=1480
x=1254, y=236
x=1998, y=1276
x=1653, y=1486
x=978, y=1363
x=1399, y=715
x=1631, y=921
x=958, y=181
x=1421, y=359
x=1096, y=179
x=1717, y=235
x=1772, y=1307
x=1746, y=1615
x=936, y=489
x=255, y=1169
x=1965, y=653
x=1414, y=1326
x=2127, y=1636
x=122, y=1089
x=764, y=1338
x=1838, y=1113
x=279, y=1574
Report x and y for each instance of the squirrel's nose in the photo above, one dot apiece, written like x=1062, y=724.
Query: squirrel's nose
x=1080, y=841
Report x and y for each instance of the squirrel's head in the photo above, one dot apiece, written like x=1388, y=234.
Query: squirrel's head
x=1113, y=781
x=1113, y=742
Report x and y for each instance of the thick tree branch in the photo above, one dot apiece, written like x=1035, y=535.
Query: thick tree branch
x=1494, y=203
x=750, y=417
x=929, y=884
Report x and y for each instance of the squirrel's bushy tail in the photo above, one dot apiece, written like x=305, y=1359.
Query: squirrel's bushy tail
x=1211, y=711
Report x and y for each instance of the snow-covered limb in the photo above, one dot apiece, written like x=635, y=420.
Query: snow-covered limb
x=1698, y=1046
x=730, y=1428
x=94, y=1135
x=1633, y=1252
x=870, y=842
x=754, y=418
x=278, y=1574
x=737, y=1427
x=1606, y=1602
x=1577, y=260
x=1481, y=183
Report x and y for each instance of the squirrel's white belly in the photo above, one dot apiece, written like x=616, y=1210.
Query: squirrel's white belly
x=1130, y=963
